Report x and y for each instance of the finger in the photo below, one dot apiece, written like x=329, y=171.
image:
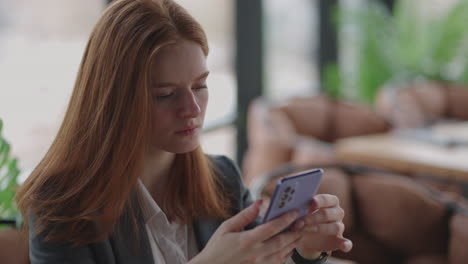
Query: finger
x=324, y=201
x=324, y=215
x=271, y=228
x=280, y=254
x=241, y=219
x=323, y=243
x=346, y=245
x=278, y=242
x=335, y=228
x=298, y=225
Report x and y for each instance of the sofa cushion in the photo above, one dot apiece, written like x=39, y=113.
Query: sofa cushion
x=262, y=159
x=457, y=106
x=338, y=183
x=267, y=125
x=270, y=134
x=413, y=105
x=313, y=153
x=357, y=120
x=401, y=213
x=332, y=260
x=309, y=115
x=427, y=259
x=458, y=253
x=367, y=250
x=326, y=119
x=13, y=247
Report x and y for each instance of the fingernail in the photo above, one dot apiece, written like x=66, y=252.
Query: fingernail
x=259, y=202
x=313, y=205
x=300, y=224
x=347, y=245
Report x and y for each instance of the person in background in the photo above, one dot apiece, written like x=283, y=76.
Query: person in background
x=126, y=181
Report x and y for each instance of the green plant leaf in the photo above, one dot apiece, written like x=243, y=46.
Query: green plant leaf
x=8, y=179
x=463, y=78
x=376, y=62
x=450, y=33
x=411, y=35
x=402, y=48
x=4, y=152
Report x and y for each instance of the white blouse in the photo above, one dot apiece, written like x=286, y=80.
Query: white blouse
x=171, y=243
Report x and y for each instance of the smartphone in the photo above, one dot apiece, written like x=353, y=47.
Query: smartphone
x=294, y=192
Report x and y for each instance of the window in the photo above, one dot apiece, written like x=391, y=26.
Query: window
x=290, y=48
x=41, y=46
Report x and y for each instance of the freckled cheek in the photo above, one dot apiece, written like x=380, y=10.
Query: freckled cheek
x=203, y=101
x=160, y=120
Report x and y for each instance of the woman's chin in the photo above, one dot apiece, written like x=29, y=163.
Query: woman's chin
x=185, y=148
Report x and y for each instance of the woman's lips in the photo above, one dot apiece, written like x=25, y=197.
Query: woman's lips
x=188, y=131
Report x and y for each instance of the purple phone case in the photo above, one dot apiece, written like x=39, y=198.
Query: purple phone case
x=294, y=192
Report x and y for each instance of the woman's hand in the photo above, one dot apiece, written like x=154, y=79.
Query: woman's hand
x=259, y=245
x=322, y=228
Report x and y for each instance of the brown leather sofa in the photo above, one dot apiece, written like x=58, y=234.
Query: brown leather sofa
x=13, y=247
x=391, y=218
x=421, y=103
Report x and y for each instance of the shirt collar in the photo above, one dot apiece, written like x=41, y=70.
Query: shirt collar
x=149, y=206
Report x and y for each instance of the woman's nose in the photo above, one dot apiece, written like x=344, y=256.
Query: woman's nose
x=190, y=107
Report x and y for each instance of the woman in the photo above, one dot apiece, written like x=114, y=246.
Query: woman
x=125, y=180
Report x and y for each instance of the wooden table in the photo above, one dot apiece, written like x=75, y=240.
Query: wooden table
x=441, y=152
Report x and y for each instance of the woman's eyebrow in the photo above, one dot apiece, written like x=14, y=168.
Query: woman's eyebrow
x=202, y=76
x=167, y=84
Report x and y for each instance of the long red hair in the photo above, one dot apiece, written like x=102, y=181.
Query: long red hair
x=88, y=176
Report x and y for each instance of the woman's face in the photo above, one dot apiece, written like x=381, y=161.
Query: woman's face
x=179, y=94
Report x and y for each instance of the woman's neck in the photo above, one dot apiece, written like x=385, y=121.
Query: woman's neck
x=156, y=171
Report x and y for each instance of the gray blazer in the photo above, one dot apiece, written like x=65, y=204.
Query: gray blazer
x=117, y=249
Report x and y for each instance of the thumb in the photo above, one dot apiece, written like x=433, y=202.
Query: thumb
x=345, y=244
x=243, y=218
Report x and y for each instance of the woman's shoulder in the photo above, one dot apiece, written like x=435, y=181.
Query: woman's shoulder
x=225, y=167
x=230, y=175
x=43, y=251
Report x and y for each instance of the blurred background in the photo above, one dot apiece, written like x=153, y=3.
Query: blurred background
x=372, y=90
x=42, y=45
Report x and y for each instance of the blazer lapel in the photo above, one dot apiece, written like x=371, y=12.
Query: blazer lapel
x=126, y=251
x=130, y=246
x=203, y=230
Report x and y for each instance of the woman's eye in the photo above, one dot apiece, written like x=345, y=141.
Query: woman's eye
x=163, y=96
x=201, y=87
